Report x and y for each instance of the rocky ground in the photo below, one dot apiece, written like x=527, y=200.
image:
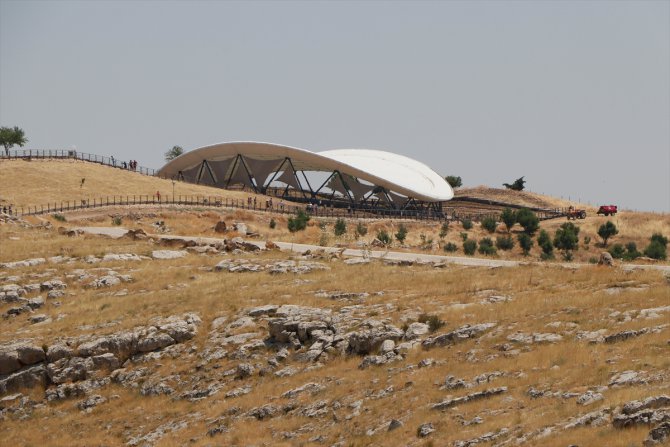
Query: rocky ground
x=139, y=342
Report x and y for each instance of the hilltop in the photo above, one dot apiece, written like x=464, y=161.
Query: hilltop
x=519, y=198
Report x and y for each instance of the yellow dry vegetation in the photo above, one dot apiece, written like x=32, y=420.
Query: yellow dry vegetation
x=542, y=299
x=38, y=182
x=521, y=198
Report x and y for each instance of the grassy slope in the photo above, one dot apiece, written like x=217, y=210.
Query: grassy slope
x=540, y=295
x=39, y=182
x=522, y=198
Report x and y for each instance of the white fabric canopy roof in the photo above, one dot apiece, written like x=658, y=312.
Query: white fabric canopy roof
x=394, y=172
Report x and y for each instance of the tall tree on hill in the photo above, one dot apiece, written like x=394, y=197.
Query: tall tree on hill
x=12, y=136
x=173, y=153
x=518, y=184
x=454, y=181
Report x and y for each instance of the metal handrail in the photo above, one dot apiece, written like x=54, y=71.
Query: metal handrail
x=29, y=154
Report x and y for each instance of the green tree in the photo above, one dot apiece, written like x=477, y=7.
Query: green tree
x=528, y=220
x=657, y=248
x=383, y=237
x=606, y=231
x=617, y=251
x=469, y=247
x=454, y=181
x=450, y=247
x=658, y=237
x=544, y=242
x=518, y=184
x=526, y=243
x=401, y=234
x=9, y=137
x=631, y=252
x=508, y=217
x=505, y=242
x=340, y=227
x=444, y=229
x=173, y=153
x=489, y=224
x=298, y=222
x=486, y=246
x=467, y=224
x=361, y=229
x=566, y=239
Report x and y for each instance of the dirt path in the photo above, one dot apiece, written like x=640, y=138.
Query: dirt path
x=117, y=232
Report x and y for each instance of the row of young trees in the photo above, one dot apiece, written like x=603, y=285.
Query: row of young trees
x=565, y=239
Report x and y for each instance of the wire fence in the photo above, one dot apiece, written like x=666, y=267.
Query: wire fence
x=38, y=154
x=198, y=201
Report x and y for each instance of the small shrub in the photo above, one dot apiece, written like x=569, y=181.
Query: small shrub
x=528, y=220
x=433, y=321
x=401, y=234
x=508, y=217
x=467, y=224
x=116, y=220
x=544, y=242
x=486, y=246
x=656, y=250
x=525, y=242
x=464, y=236
x=617, y=251
x=322, y=226
x=298, y=222
x=340, y=227
x=450, y=247
x=361, y=230
x=384, y=237
x=593, y=260
x=505, y=242
x=489, y=224
x=567, y=237
x=273, y=223
x=546, y=256
x=59, y=217
x=567, y=255
x=469, y=247
x=324, y=239
x=587, y=241
x=658, y=237
x=631, y=252
x=426, y=242
x=444, y=230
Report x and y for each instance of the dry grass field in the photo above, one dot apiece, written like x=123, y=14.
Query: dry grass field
x=348, y=404
x=38, y=182
x=121, y=347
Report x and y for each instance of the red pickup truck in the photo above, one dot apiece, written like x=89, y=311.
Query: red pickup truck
x=607, y=210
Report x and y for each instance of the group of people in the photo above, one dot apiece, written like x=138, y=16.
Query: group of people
x=251, y=201
x=132, y=164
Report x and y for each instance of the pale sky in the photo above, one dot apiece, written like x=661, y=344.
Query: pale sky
x=574, y=95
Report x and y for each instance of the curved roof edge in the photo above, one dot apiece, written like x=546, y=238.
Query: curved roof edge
x=394, y=172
